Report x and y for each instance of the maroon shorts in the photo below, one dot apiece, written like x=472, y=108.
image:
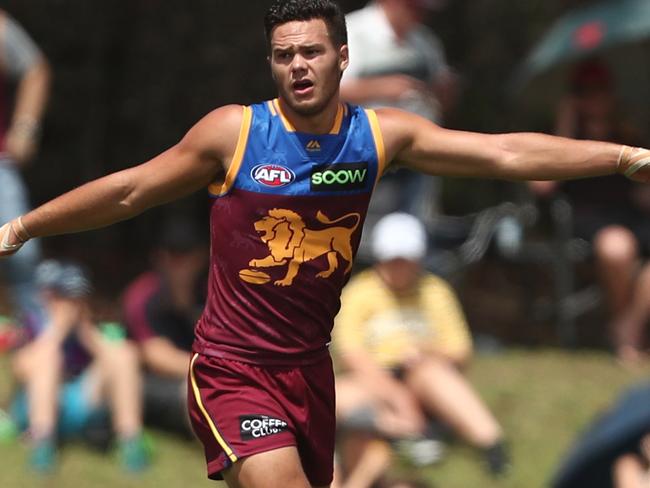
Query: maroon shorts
x=240, y=409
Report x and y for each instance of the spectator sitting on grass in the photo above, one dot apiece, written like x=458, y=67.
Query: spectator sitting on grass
x=76, y=375
x=160, y=309
x=400, y=339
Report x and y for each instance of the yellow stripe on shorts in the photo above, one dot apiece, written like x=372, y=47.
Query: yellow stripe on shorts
x=213, y=428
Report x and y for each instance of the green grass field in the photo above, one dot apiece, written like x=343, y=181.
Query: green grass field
x=543, y=398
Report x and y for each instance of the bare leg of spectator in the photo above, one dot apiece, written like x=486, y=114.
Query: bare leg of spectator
x=364, y=457
x=39, y=366
x=630, y=327
x=356, y=404
x=338, y=478
x=445, y=393
x=118, y=377
x=367, y=460
x=617, y=257
x=629, y=472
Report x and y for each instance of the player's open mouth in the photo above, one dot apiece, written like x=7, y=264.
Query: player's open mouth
x=302, y=87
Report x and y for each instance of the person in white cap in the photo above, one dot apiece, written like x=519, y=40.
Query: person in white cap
x=401, y=336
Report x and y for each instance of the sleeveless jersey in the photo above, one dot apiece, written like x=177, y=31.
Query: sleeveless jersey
x=285, y=226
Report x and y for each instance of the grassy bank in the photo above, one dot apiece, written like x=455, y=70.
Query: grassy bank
x=543, y=398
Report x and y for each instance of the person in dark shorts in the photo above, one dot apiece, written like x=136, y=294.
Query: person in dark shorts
x=291, y=180
x=160, y=309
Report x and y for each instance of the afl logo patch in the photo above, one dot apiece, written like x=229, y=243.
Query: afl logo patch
x=272, y=175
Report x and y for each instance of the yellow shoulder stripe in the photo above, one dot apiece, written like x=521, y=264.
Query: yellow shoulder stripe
x=287, y=125
x=220, y=189
x=338, y=121
x=379, y=142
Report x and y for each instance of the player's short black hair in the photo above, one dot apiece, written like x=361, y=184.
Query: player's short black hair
x=283, y=11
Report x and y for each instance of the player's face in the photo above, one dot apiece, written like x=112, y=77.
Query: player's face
x=306, y=66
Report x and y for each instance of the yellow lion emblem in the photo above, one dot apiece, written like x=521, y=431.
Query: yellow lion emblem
x=291, y=243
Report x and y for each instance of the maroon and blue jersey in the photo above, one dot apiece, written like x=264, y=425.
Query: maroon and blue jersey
x=285, y=227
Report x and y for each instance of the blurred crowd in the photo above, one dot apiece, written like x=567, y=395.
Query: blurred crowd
x=401, y=342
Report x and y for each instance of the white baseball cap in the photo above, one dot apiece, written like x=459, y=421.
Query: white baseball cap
x=399, y=235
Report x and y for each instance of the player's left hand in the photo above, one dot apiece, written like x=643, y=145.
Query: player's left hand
x=634, y=162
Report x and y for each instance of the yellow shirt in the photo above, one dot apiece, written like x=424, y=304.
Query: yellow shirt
x=386, y=325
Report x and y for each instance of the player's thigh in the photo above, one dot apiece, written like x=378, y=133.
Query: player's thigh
x=277, y=468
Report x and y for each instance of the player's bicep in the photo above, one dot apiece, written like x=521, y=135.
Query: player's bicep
x=424, y=146
x=175, y=173
x=197, y=160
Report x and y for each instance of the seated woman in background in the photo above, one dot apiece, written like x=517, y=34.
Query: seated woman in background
x=400, y=341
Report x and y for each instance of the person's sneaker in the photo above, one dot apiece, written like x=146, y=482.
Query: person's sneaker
x=497, y=459
x=42, y=456
x=134, y=453
x=421, y=451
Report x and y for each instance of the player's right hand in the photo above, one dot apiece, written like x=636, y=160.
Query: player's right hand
x=10, y=243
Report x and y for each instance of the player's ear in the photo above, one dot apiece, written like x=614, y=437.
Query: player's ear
x=344, y=57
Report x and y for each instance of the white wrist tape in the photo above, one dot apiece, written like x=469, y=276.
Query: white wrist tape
x=4, y=243
x=632, y=159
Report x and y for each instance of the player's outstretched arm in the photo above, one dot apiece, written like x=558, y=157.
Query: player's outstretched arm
x=424, y=146
x=202, y=156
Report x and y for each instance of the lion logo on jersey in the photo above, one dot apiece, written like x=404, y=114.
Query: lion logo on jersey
x=291, y=243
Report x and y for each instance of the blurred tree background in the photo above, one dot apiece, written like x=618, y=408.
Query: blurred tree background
x=131, y=76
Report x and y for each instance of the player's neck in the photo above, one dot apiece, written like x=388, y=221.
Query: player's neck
x=318, y=123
